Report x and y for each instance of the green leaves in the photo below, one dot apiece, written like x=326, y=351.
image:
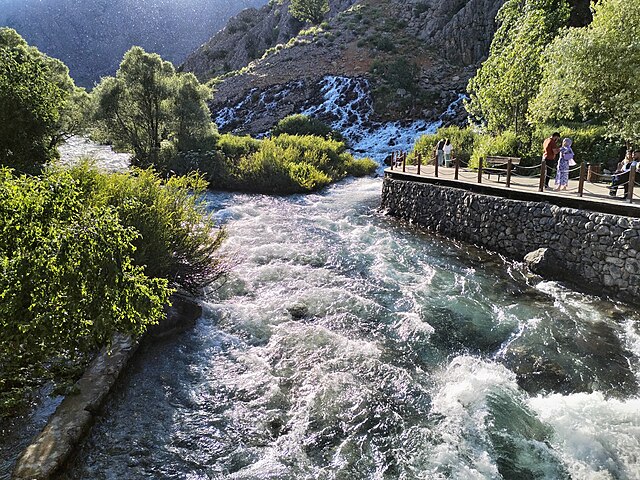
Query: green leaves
x=84, y=255
x=312, y=11
x=148, y=103
x=594, y=78
x=510, y=78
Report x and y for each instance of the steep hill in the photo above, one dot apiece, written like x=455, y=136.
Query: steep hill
x=370, y=61
x=91, y=36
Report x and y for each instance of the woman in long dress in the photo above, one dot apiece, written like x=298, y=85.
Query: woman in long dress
x=562, y=174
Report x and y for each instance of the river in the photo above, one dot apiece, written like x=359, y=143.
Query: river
x=348, y=345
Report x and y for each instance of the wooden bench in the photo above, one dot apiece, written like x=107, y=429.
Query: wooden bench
x=498, y=165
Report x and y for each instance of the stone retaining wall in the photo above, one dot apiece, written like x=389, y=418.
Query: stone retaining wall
x=598, y=251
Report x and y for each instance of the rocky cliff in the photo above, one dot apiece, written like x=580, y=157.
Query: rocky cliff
x=91, y=36
x=369, y=61
x=411, y=59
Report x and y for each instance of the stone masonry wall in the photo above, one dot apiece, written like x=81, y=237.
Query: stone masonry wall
x=595, y=250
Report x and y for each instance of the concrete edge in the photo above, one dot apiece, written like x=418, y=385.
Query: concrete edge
x=74, y=417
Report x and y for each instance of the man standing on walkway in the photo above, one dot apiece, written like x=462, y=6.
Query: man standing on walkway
x=550, y=151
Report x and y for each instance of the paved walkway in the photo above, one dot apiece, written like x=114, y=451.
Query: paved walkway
x=594, y=193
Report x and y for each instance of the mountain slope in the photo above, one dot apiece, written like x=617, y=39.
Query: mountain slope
x=412, y=58
x=92, y=36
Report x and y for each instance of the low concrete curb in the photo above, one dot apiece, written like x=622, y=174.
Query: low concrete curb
x=75, y=415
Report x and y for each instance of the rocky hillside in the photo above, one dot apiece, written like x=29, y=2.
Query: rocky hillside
x=404, y=59
x=91, y=36
x=413, y=58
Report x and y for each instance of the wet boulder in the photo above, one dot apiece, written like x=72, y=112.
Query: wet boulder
x=545, y=263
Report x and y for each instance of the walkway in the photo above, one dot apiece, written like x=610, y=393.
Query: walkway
x=595, y=195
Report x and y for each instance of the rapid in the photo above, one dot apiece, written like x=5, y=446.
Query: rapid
x=345, y=344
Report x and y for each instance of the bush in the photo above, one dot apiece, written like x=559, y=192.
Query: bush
x=462, y=138
x=69, y=279
x=280, y=165
x=303, y=125
x=237, y=146
x=177, y=241
x=590, y=143
x=504, y=144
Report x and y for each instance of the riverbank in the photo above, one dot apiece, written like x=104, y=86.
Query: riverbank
x=74, y=416
x=593, y=250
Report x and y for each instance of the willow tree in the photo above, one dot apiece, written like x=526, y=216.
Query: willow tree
x=594, y=76
x=312, y=11
x=148, y=103
x=34, y=93
x=509, y=79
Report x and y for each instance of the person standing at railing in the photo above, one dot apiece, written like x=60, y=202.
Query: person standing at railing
x=448, y=148
x=440, y=153
x=549, y=151
x=564, y=164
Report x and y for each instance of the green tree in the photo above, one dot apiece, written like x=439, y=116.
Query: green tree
x=31, y=102
x=510, y=78
x=147, y=103
x=312, y=11
x=68, y=279
x=594, y=73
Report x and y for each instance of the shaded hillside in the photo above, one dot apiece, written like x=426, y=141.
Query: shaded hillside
x=91, y=36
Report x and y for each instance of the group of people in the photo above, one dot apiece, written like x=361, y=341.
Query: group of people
x=558, y=158
x=444, y=151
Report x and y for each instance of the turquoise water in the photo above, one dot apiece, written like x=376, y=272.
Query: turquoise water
x=347, y=345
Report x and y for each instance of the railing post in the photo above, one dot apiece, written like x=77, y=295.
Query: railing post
x=480, y=170
x=404, y=161
x=543, y=174
x=509, y=165
x=632, y=183
x=455, y=175
x=583, y=171
x=436, y=164
x=419, y=159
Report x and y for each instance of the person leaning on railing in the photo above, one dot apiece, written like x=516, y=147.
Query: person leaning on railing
x=621, y=177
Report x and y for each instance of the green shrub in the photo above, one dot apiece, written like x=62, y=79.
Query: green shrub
x=591, y=143
x=462, y=138
x=69, y=280
x=504, y=144
x=237, y=146
x=177, y=241
x=280, y=165
x=303, y=125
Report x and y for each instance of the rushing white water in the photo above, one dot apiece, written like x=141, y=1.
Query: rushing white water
x=347, y=346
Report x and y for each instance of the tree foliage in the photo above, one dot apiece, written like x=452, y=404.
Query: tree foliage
x=594, y=77
x=40, y=105
x=147, y=103
x=85, y=255
x=312, y=11
x=510, y=78
x=30, y=105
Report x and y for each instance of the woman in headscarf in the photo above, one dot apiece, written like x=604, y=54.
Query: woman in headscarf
x=562, y=174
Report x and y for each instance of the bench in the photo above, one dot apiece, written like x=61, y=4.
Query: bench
x=498, y=165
